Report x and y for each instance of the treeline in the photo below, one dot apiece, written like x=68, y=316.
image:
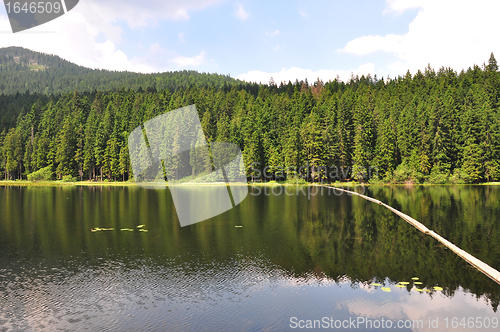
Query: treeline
x=22, y=70
x=431, y=127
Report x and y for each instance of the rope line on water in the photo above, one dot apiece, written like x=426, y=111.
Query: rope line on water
x=478, y=264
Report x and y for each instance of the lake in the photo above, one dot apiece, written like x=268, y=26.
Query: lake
x=302, y=258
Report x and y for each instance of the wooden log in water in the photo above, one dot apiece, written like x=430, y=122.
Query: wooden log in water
x=478, y=264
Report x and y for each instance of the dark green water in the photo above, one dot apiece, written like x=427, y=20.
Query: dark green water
x=300, y=253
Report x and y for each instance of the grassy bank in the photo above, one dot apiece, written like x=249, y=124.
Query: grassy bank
x=270, y=183
x=27, y=183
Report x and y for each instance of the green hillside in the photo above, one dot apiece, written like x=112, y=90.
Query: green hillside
x=23, y=70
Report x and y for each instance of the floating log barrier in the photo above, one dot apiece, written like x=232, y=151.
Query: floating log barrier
x=478, y=264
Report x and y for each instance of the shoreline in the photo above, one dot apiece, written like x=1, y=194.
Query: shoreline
x=26, y=183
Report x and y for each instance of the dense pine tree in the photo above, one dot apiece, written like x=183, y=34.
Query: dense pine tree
x=434, y=126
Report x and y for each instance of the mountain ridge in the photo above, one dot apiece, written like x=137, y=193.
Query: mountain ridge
x=23, y=70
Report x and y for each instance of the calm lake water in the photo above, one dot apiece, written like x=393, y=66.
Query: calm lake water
x=300, y=256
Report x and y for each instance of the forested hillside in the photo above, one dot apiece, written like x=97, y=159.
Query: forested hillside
x=23, y=70
x=431, y=127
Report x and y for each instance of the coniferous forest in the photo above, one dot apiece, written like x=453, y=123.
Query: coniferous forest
x=437, y=126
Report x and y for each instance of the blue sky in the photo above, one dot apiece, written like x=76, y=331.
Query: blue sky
x=256, y=40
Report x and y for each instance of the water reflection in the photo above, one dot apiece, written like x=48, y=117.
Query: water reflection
x=303, y=256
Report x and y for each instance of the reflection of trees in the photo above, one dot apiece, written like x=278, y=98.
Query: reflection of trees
x=465, y=215
x=348, y=236
x=336, y=236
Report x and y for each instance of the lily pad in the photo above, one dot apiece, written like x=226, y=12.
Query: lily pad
x=375, y=284
x=415, y=278
x=404, y=282
x=140, y=226
x=419, y=289
x=400, y=286
x=437, y=288
x=386, y=289
x=143, y=230
x=238, y=226
x=417, y=283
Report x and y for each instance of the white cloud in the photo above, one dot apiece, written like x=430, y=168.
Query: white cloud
x=183, y=61
x=274, y=33
x=403, y=305
x=400, y=6
x=291, y=74
x=74, y=38
x=277, y=48
x=89, y=35
x=303, y=14
x=241, y=13
x=455, y=34
x=369, y=44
